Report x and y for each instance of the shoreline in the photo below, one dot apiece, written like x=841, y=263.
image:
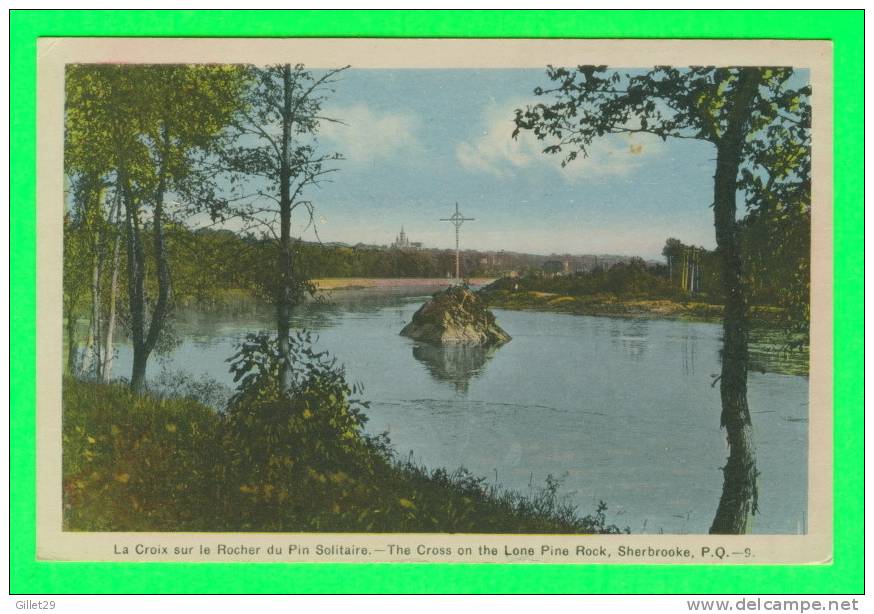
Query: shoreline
x=360, y=283
x=605, y=305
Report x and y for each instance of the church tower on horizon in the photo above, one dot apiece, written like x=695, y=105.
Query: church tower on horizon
x=402, y=241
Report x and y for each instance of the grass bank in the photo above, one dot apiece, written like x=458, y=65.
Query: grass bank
x=147, y=463
x=605, y=305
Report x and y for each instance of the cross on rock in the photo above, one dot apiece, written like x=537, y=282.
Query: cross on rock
x=457, y=220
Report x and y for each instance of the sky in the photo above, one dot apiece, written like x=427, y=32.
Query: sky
x=418, y=141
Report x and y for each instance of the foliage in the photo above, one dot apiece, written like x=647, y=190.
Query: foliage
x=634, y=279
x=778, y=272
x=206, y=263
x=280, y=440
x=135, y=462
x=590, y=102
x=209, y=261
x=146, y=120
x=179, y=384
x=148, y=133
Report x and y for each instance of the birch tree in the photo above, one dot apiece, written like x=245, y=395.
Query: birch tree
x=152, y=125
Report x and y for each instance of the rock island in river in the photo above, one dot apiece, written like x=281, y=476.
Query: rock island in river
x=455, y=315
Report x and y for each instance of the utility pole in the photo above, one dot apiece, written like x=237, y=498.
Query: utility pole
x=457, y=220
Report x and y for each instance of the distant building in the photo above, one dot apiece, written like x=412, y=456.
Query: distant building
x=584, y=264
x=402, y=241
x=553, y=267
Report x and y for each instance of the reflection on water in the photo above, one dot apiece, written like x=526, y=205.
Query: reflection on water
x=624, y=409
x=453, y=363
x=769, y=353
x=689, y=355
x=631, y=336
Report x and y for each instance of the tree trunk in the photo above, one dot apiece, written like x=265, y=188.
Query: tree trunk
x=145, y=338
x=739, y=493
x=283, y=298
x=138, y=370
x=135, y=283
x=96, y=326
x=87, y=363
x=162, y=267
x=71, y=342
x=108, y=344
x=90, y=203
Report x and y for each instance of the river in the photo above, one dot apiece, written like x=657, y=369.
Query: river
x=619, y=410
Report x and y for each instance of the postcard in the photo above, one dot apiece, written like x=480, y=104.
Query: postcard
x=442, y=300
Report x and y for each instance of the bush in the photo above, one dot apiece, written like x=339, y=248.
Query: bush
x=287, y=448
x=176, y=384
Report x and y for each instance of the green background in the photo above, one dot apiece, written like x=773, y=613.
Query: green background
x=845, y=575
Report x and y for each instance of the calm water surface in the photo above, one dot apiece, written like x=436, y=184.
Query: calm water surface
x=619, y=410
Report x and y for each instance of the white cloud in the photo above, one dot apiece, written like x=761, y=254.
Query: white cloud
x=495, y=151
x=366, y=136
